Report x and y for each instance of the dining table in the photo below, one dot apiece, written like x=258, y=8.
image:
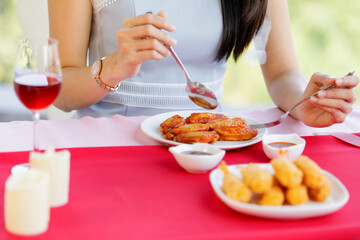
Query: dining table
x=124, y=184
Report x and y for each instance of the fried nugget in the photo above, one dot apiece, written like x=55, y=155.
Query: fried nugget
x=274, y=197
x=286, y=172
x=313, y=175
x=257, y=179
x=204, y=117
x=239, y=133
x=297, y=195
x=171, y=122
x=197, y=137
x=233, y=187
x=322, y=192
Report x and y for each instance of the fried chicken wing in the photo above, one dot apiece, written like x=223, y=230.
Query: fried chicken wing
x=197, y=137
x=233, y=122
x=204, y=117
x=194, y=127
x=170, y=123
x=239, y=133
x=234, y=129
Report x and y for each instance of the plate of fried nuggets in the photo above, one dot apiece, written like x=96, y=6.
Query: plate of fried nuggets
x=279, y=190
x=176, y=128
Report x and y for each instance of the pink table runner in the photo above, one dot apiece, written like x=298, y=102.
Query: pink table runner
x=140, y=192
x=125, y=131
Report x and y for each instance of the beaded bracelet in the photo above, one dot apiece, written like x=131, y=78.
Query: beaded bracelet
x=102, y=84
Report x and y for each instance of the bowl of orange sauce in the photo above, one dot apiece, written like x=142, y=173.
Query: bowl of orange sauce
x=292, y=143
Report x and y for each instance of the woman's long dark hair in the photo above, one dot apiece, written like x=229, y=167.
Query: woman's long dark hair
x=242, y=19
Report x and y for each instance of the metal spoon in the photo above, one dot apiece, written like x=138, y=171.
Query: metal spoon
x=278, y=121
x=197, y=92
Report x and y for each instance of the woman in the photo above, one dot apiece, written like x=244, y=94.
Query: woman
x=137, y=77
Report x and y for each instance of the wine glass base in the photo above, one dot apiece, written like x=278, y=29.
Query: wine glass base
x=20, y=168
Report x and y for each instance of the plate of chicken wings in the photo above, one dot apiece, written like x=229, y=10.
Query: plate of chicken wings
x=223, y=130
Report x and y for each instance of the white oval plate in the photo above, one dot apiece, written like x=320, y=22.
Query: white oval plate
x=338, y=198
x=151, y=127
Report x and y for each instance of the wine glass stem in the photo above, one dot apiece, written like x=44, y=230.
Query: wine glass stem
x=36, y=117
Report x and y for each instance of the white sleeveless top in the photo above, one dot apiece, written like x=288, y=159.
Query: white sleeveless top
x=160, y=85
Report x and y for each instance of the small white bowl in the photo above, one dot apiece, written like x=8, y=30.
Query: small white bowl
x=293, y=151
x=198, y=157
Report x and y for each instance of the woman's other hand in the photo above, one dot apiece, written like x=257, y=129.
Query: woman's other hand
x=330, y=106
x=142, y=38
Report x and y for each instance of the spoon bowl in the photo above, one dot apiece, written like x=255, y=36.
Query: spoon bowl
x=201, y=95
x=197, y=92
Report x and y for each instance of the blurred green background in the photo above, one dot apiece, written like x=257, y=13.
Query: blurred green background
x=326, y=35
x=327, y=39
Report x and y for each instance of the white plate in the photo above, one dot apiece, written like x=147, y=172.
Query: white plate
x=338, y=198
x=151, y=127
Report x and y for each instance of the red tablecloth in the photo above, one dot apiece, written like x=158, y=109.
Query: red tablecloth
x=140, y=192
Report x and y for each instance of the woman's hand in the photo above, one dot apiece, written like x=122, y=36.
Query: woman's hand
x=140, y=39
x=329, y=106
x=286, y=83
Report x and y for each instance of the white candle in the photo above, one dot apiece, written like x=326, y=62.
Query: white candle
x=57, y=164
x=26, y=206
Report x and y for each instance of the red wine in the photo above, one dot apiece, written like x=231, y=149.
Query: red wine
x=37, y=91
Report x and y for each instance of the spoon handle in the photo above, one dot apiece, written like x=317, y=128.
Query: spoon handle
x=173, y=53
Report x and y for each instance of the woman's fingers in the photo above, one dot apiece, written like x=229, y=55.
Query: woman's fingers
x=159, y=21
x=321, y=79
x=145, y=31
x=148, y=55
x=337, y=115
x=347, y=81
x=347, y=95
x=336, y=104
x=142, y=38
x=134, y=58
x=147, y=26
x=162, y=13
x=144, y=45
x=342, y=97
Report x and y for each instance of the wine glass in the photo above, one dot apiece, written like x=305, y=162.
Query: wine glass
x=37, y=77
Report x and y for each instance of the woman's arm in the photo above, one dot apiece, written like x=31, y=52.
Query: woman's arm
x=281, y=71
x=139, y=40
x=286, y=84
x=70, y=23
